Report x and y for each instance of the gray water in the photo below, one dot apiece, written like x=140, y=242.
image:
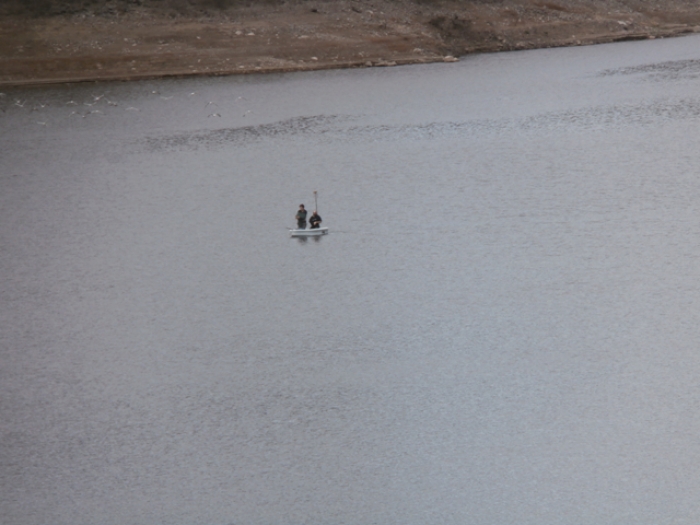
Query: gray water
x=501, y=327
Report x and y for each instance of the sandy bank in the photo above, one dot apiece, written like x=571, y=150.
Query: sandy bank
x=133, y=42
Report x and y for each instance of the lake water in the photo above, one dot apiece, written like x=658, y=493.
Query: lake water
x=502, y=326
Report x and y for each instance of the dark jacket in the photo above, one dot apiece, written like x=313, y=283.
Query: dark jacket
x=315, y=220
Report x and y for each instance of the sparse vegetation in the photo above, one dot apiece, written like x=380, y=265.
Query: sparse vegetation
x=63, y=40
x=43, y=8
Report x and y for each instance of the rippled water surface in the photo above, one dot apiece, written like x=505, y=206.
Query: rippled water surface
x=501, y=327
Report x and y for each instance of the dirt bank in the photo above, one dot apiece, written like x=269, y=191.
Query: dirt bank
x=135, y=39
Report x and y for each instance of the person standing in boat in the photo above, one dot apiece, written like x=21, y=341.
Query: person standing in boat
x=301, y=218
x=315, y=220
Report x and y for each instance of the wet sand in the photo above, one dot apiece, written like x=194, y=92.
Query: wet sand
x=153, y=41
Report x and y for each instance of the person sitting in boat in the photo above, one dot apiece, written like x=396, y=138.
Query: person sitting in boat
x=301, y=218
x=315, y=220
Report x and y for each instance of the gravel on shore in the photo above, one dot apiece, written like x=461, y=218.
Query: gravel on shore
x=136, y=39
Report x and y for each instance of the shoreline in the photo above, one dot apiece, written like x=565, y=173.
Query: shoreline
x=308, y=35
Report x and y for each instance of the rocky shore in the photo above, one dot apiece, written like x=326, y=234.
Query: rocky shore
x=135, y=39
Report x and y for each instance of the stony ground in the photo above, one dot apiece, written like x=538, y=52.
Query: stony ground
x=153, y=40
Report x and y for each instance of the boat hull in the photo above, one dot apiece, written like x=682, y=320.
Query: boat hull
x=311, y=232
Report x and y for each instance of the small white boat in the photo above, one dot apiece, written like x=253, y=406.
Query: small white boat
x=309, y=232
